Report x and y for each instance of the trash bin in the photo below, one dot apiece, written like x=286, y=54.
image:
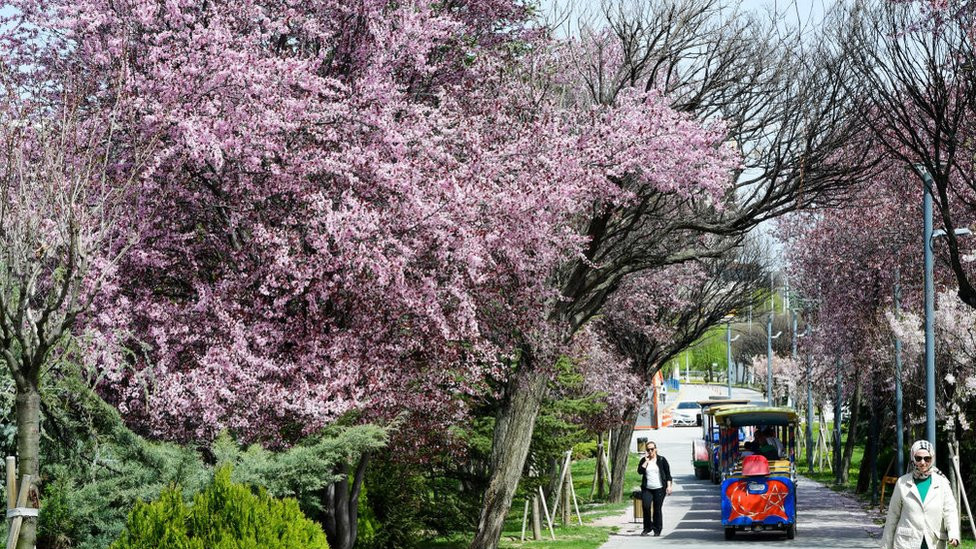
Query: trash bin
x=641, y=444
x=638, y=510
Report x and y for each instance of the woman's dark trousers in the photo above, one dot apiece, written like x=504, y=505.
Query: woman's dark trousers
x=652, y=498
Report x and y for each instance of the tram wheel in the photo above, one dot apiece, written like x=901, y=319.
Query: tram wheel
x=791, y=531
x=729, y=533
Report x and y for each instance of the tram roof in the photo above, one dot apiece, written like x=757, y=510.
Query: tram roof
x=717, y=402
x=741, y=416
x=713, y=410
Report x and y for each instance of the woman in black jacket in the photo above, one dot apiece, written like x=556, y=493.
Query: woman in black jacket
x=656, y=483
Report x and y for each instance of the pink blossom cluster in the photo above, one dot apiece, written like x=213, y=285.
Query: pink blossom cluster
x=607, y=376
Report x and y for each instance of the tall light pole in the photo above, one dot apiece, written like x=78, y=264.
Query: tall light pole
x=838, y=419
x=927, y=236
x=728, y=353
x=769, y=357
x=929, y=306
x=899, y=428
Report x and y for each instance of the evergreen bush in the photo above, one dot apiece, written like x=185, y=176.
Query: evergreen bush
x=224, y=515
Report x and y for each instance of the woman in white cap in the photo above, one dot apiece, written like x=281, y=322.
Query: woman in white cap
x=922, y=513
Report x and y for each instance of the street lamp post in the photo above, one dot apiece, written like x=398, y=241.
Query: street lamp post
x=929, y=307
x=838, y=419
x=809, y=415
x=728, y=353
x=769, y=358
x=927, y=236
x=899, y=428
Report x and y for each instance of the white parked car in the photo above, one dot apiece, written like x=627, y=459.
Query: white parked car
x=686, y=413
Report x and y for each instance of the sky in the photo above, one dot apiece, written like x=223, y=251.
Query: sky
x=788, y=11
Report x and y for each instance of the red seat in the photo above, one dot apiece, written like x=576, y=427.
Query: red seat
x=755, y=465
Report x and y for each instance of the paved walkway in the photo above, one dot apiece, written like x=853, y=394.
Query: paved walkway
x=692, y=517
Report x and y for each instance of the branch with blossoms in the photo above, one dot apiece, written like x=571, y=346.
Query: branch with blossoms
x=955, y=342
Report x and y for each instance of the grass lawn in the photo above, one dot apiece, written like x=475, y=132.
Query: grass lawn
x=826, y=476
x=567, y=537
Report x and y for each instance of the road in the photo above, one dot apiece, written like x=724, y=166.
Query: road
x=692, y=517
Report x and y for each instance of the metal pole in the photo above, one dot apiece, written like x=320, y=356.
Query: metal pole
x=769, y=359
x=793, y=314
x=687, y=370
x=809, y=417
x=786, y=296
x=929, y=308
x=899, y=427
x=838, y=419
x=728, y=356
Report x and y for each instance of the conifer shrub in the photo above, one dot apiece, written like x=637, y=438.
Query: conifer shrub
x=225, y=515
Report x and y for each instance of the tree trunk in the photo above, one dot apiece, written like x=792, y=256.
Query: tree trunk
x=567, y=500
x=28, y=407
x=510, y=446
x=554, y=465
x=866, y=476
x=536, y=518
x=851, y=435
x=342, y=506
x=620, y=451
x=600, y=464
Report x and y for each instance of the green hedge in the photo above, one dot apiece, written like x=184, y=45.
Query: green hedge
x=224, y=515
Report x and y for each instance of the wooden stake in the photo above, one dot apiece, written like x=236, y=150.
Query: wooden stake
x=962, y=491
x=957, y=480
x=545, y=509
x=525, y=517
x=559, y=486
x=15, y=525
x=11, y=482
x=572, y=490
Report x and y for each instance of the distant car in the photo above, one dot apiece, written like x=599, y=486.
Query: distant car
x=686, y=413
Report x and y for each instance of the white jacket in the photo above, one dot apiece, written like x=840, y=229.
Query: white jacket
x=909, y=519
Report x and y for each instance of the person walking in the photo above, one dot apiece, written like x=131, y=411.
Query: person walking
x=922, y=512
x=656, y=483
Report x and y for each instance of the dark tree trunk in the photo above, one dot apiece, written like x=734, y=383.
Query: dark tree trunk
x=28, y=406
x=600, y=467
x=552, y=472
x=851, y=436
x=869, y=465
x=342, y=506
x=510, y=446
x=619, y=452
